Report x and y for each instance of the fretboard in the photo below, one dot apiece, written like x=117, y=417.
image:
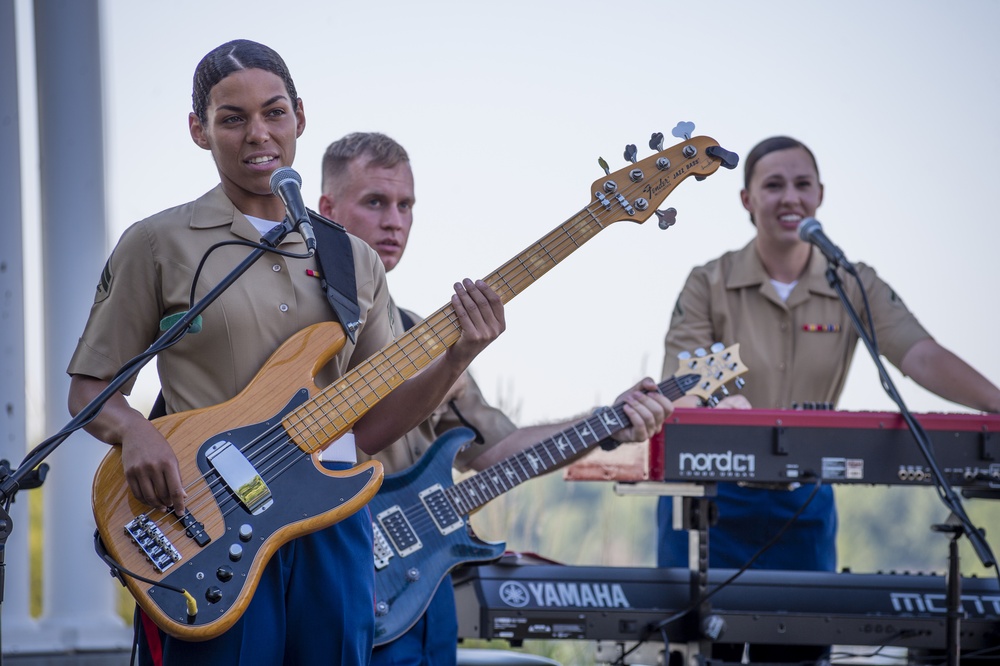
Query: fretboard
x=475, y=491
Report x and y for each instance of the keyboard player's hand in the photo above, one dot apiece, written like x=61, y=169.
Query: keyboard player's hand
x=734, y=402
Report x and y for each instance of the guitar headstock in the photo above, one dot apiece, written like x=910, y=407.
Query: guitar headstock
x=708, y=374
x=636, y=191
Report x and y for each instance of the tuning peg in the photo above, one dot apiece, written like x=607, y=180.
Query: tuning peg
x=728, y=158
x=713, y=401
x=717, y=347
x=683, y=130
x=630, y=152
x=740, y=382
x=667, y=218
x=700, y=352
x=656, y=141
x=604, y=165
x=685, y=360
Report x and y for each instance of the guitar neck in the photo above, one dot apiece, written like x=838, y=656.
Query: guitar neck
x=334, y=410
x=472, y=493
x=631, y=193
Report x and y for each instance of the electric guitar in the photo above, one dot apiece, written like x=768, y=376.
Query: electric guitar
x=250, y=464
x=418, y=515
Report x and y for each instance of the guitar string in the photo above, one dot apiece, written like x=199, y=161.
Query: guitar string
x=528, y=471
x=496, y=477
x=595, y=211
x=504, y=476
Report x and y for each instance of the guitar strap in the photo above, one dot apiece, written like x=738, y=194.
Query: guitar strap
x=336, y=263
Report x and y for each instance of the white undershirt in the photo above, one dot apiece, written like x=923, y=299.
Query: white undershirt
x=783, y=288
x=262, y=225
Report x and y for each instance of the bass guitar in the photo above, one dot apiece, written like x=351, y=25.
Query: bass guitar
x=252, y=488
x=418, y=516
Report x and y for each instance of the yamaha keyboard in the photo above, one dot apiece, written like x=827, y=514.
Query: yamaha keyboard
x=786, y=446
x=543, y=601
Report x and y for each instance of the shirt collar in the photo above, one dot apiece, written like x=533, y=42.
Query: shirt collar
x=748, y=271
x=214, y=209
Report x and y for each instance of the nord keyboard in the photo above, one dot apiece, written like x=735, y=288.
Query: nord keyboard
x=543, y=601
x=783, y=446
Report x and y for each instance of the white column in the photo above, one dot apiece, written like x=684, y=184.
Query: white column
x=79, y=596
x=19, y=629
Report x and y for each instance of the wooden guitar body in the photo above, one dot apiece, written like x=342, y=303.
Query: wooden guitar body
x=220, y=555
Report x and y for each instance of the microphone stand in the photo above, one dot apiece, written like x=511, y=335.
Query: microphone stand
x=26, y=476
x=959, y=522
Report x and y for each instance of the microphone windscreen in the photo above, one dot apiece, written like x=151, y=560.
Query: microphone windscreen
x=281, y=175
x=808, y=227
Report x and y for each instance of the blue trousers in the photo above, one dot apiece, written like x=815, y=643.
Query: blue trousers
x=432, y=641
x=748, y=518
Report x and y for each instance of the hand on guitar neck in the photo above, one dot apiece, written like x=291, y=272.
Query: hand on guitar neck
x=480, y=315
x=646, y=408
x=644, y=405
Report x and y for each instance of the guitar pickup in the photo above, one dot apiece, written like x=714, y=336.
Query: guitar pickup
x=194, y=529
x=441, y=510
x=399, y=531
x=241, y=476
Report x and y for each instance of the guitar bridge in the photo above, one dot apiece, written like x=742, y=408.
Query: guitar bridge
x=153, y=543
x=241, y=476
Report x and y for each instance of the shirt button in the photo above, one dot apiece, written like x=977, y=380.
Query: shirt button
x=276, y=268
x=784, y=326
x=283, y=307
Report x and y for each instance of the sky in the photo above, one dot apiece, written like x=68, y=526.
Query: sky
x=506, y=107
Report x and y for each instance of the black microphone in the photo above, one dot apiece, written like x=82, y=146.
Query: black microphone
x=287, y=185
x=811, y=231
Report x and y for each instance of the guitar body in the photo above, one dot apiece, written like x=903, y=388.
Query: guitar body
x=219, y=557
x=417, y=552
x=419, y=517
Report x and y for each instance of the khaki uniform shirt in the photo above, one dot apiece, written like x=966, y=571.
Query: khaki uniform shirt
x=796, y=351
x=149, y=275
x=489, y=421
